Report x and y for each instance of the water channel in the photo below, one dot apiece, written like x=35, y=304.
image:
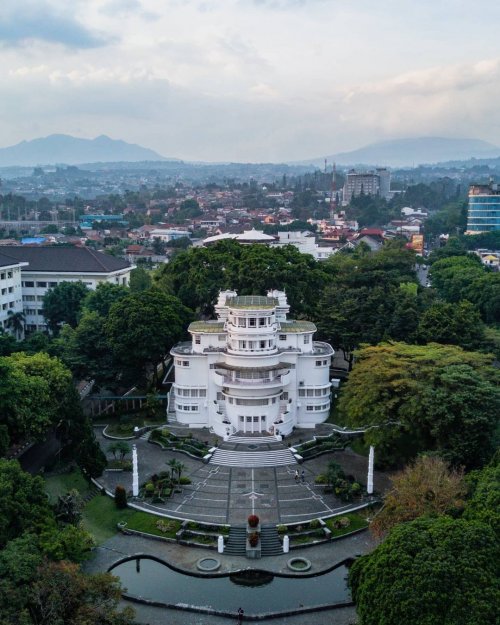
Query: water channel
x=256, y=592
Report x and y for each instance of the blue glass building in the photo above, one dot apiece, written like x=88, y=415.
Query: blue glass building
x=484, y=208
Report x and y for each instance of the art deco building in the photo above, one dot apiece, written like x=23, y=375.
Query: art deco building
x=252, y=370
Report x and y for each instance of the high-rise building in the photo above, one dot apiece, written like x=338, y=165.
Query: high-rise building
x=484, y=208
x=376, y=182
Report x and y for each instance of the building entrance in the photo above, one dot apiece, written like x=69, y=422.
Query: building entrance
x=253, y=424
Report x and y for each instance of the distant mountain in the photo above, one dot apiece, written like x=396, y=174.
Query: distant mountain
x=409, y=152
x=67, y=150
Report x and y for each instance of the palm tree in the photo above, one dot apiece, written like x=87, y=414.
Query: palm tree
x=16, y=321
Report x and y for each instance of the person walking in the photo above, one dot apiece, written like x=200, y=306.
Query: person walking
x=296, y=476
x=240, y=615
x=303, y=476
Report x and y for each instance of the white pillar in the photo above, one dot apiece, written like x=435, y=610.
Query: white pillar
x=286, y=544
x=369, y=483
x=135, y=472
x=220, y=544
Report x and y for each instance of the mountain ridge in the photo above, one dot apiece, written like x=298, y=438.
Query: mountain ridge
x=63, y=149
x=412, y=152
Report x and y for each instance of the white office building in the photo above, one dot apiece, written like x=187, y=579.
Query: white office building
x=43, y=268
x=11, y=301
x=251, y=370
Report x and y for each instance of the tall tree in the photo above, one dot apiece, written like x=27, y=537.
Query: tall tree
x=63, y=304
x=141, y=329
x=428, y=487
x=429, y=572
x=415, y=398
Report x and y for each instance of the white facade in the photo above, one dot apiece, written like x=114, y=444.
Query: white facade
x=10, y=290
x=252, y=370
x=36, y=283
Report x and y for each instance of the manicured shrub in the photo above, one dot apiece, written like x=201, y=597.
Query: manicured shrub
x=253, y=520
x=120, y=497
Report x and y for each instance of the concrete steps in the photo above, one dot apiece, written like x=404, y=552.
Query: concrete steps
x=253, y=459
x=252, y=440
x=270, y=542
x=236, y=541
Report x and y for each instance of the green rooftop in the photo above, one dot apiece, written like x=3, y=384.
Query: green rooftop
x=207, y=327
x=297, y=326
x=251, y=302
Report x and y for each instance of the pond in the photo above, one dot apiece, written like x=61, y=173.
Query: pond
x=255, y=591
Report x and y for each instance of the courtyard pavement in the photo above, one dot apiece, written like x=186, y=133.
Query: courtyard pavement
x=222, y=494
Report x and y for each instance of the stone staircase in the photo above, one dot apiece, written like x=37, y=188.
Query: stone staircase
x=270, y=542
x=269, y=539
x=252, y=440
x=236, y=541
x=252, y=459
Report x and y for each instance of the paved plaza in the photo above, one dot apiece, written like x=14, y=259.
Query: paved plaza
x=224, y=494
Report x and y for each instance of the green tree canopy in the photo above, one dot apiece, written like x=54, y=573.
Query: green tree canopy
x=24, y=505
x=429, y=572
x=63, y=304
x=104, y=296
x=140, y=279
x=142, y=327
x=418, y=398
x=454, y=324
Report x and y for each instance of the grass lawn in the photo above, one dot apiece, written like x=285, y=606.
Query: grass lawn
x=100, y=517
x=357, y=521
x=61, y=484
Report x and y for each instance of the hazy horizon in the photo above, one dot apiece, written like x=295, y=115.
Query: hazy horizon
x=249, y=80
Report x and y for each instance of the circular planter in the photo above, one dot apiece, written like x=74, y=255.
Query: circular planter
x=299, y=565
x=208, y=565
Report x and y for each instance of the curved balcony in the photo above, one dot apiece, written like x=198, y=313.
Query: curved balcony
x=253, y=382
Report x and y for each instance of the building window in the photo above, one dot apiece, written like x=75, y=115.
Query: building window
x=302, y=392
x=262, y=321
x=242, y=419
x=310, y=392
x=203, y=392
x=284, y=395
x=318, y=392
x=9, y=274
x=11, y=289
x=307, y=338
x=318, y=363
x=28, y=298
x=263, y=344
x=241, y=322
x=185, y=363
x=29, y=284
x=252, y=322
x=2, y=276
x=222, y=337
x=282, y=337
x=309, y=408
x=197, y=339
x=52, y=284
x=42, y=285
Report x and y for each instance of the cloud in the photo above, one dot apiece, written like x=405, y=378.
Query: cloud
x=24, y=21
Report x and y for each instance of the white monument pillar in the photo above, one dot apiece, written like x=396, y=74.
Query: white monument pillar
x=286, y=544
x=135, y=472
x=369, y=483
x=220, y=544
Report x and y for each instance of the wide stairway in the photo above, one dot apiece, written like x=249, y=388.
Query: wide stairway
x=269, y=540
x=231, y=454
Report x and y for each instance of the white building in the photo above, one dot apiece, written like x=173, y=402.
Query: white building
x=252, y=370
x=10, y=288
x=42, y=268
x=167, y=235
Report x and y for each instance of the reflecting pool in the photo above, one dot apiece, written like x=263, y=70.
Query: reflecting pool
x=254, y=591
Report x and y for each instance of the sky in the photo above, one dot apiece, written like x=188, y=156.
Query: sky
x=249, y=80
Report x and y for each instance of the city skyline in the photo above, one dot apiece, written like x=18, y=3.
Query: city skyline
x=254, y=80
